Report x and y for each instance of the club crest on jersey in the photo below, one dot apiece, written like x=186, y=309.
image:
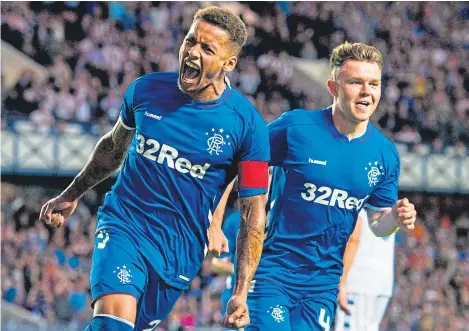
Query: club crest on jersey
x=216, y=141
x=123, y=274
x=374, y=171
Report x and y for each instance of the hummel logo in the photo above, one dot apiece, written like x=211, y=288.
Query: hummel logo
x=317, y=162
x=156, y=117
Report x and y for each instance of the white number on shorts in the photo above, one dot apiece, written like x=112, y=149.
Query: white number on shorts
x=153, y=325
x=325, y=323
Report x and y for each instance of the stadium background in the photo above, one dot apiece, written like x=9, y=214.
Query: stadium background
x=65, y=67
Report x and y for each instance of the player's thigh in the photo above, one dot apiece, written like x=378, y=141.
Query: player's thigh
x=118, y=273
x=156, y=303
x=315, y=312
x=269, y=308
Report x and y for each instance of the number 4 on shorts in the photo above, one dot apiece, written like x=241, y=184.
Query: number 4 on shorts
x=323, y=321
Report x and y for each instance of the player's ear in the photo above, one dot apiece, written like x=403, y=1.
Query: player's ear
x=230, y=63
x=331, y=87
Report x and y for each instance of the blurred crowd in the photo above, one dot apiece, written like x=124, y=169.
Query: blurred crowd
x=93, y=50
x=431, y=289
x=47, y=271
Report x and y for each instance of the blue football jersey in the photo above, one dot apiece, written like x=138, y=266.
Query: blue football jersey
x=320, y=182
x=183, y=155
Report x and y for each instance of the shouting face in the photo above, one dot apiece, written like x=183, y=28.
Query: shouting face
x=205, y=56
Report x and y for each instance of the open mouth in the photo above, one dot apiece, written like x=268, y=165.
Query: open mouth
x=362, y=104
x=190, y=72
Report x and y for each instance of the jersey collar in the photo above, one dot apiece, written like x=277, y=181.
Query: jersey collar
x=212, y=103
x=340, y=136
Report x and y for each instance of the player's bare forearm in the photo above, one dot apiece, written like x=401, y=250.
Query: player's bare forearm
x=217, y=219
x=106, y=158
x=387, y=221
x=249, y=241
x=382, y=222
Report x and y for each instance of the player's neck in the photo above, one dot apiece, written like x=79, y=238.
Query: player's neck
x=211, y=92
x=347, y=127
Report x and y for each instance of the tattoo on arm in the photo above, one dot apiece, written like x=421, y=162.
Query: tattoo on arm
x=106, y=158
x=249, y=241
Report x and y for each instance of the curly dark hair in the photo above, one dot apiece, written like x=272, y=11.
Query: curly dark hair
x=226, y=20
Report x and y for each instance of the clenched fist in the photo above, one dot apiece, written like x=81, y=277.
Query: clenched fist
x=405, y=213
x=56, y=210
x=217, y=242
x=237, y=313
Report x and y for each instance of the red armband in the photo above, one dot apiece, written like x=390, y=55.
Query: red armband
x=253, y=174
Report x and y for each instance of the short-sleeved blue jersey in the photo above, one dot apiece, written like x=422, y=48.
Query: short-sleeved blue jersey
x=321, y=181
x=183, y=155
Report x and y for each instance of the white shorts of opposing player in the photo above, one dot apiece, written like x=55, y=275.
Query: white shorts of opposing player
x=367, y=311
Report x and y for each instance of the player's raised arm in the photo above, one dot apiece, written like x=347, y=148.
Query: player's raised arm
x=106, y=158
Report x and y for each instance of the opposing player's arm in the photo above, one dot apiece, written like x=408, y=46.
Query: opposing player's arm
x=106, y=158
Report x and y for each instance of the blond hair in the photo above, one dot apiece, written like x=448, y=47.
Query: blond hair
x=353, y=51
